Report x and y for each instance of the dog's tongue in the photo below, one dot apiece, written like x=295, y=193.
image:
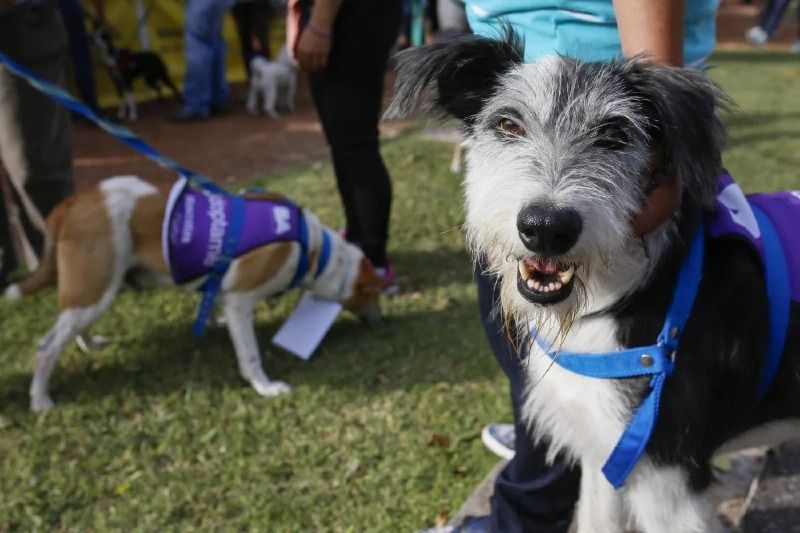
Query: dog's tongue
x=545, y=266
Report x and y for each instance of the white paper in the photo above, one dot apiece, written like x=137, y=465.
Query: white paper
x=307, y=325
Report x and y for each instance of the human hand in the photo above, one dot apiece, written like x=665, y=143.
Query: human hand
x=660, y=204
x=314, y=47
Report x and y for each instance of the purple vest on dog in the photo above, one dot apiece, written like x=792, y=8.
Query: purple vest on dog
x=195, y=222
x=734, y=217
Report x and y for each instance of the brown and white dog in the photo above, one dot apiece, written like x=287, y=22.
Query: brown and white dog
x=97, y=237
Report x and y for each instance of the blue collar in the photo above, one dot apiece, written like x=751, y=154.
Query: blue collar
x=658, y=360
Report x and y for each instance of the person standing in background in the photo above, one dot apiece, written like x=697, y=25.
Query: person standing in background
x=35, y=131
x=345, y=46
x=770, y=20
x=252, y=24
x=205, y=89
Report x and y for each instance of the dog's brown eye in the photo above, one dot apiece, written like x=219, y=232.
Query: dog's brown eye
x=611, y=136
x=509, y=126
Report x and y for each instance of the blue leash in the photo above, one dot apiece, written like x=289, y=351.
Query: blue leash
x=234, y=229
x=658, y=360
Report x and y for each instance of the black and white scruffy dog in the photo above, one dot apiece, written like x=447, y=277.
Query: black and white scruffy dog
x=275, y=82
x=125, y=66
x=560, y=158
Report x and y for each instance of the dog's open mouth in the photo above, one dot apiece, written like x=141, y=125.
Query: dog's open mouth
x=545, y=281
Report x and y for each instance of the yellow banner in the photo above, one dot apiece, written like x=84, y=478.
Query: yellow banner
x=157, y=25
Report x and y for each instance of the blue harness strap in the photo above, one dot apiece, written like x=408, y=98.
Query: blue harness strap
x=657, y=360
x=303, y=262
x=324, y=253
x=776, y=272
x=214, y=281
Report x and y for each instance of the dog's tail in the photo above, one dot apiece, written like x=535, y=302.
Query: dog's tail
x=45, y=274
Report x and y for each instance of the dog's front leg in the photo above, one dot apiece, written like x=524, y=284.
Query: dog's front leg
x=132, y=112
x=238, y=309
x=271, y=101
x=600, y=506
x=252, y=97
x=660, y=500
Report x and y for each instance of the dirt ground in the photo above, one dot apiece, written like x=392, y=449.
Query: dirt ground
x=228, y=148
x=237, y=146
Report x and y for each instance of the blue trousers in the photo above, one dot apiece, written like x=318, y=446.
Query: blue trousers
x=773, y=14
x=72, y=13
x=529, y=495
x=204, y=84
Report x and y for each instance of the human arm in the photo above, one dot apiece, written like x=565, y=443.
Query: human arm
x=316, y=38
x=654, y=28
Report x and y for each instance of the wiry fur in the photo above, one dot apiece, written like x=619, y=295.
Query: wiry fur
x=275, y=83
x=591, y=134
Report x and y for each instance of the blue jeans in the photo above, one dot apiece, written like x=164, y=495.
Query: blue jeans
x=204, y=84
x=529, y=495
x=771, y=18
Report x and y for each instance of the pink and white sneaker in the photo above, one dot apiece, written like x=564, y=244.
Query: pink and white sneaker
x=388, y=274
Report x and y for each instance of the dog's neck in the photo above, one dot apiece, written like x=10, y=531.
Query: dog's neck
x=338, y=277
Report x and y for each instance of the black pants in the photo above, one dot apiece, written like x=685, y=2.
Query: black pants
x=348, y=99
x=529, y=495
x=252, y=24
x=35, y=131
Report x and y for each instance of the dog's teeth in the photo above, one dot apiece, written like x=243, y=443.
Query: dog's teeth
x=551, y=287
x=531, y=284
x=523, y=270
x=567, y=274
x=558, y=285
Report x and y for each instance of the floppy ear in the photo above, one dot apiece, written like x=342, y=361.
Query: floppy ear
x=682, y=106
x=454, y=77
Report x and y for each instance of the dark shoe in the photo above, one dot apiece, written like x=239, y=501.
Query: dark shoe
x=188, y=116
x=218, y=109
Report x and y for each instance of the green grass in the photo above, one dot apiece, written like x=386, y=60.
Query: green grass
x=158, y=432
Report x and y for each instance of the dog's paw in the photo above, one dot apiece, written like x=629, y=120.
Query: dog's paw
x=271, y=388
x=274, y=115
x=89, y=344
x=253, y=110
x=40, y=404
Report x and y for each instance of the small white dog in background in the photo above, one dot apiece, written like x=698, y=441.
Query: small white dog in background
x=275, y=82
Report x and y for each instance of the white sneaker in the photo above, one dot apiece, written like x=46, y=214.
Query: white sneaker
x=795, y=49
x=499, y=438
x=756, y=36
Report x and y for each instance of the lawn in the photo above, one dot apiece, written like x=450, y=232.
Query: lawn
x=157, y=431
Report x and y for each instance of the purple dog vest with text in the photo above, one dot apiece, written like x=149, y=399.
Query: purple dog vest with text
x=195, y=223
x=734, y=216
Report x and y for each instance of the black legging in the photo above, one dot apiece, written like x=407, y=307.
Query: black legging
x=252, y=23
x=348, y=99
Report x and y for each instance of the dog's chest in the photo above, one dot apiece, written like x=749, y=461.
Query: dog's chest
x=581, y=415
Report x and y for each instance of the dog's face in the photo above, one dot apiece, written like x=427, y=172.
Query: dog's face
x=560, y=159
x=367, y=288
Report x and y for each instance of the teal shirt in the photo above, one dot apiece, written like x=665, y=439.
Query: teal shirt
x=584, y=29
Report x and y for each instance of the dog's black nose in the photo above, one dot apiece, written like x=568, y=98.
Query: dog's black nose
x=549, y=230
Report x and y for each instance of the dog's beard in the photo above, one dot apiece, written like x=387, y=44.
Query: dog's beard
x=602, y=278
